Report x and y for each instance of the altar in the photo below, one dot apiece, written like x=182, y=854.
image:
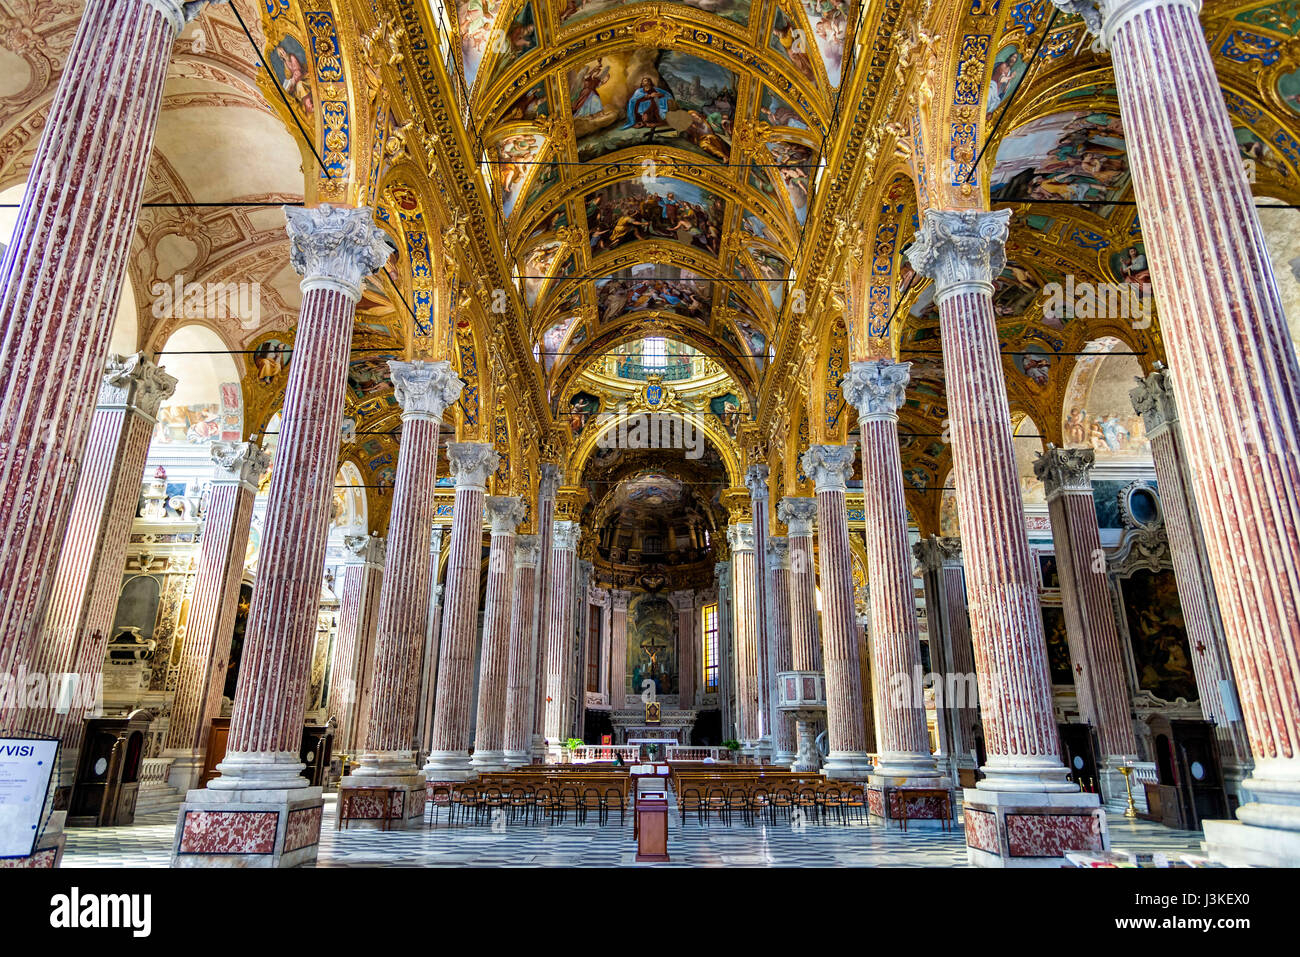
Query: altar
x=675, y=726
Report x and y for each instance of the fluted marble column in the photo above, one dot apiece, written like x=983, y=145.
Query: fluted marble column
x=1236, y=379
x=744, y=569
x=548, y=486
x=726, y=678
x=799, y=516
x=449, y=758
x=964, y=252
x=756, y=480
x=559, y=632
x=576, y=677
x=60, y=285
x=223, y=547
x=618, y=689
x=784, y=740
x=423, y=390
x=505, y=514
x=521, y=679
x=83, y=596
x=945, y=600
x=683, y=603
x=1153, y=399
x=334, y=249
x=829, y=466
x=351, y=675
x=432, y=632
x=1099, y=675
x=878, y=389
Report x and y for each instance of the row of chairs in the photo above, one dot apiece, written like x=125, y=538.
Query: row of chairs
x=752, y=803
x=524, y=804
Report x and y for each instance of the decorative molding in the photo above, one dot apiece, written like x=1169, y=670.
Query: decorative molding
x=336, y=247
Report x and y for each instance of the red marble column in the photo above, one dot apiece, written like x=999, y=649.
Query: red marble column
x=60, y=284
x=351, y=673
x=829, y=466
x=798, y=515
x=1099, y=676
x=756, y=480
x=432, y=632
x=449, y=756
x=424, y=390
x=222, y=550
x=1153, y=399
x=683, y=603
x=1236, y=379
x=559, y=632
x=576, y=676
x=88, y=578
x=226, y=824
x=521, y=681
x=726, y=673
x=744, y=569
x=878, y=389
x=963, y=252
x=505, y=514
x=548, y=485
x=784, y=740
x=945, y=599
x=618, y=688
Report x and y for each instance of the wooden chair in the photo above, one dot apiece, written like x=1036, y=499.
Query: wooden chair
x=567, y=800
x=519, y=802
x=738, y=800
x=855, y=801
x=465, y=800
x=544, y=801
x=592, y=800
x=715, y=802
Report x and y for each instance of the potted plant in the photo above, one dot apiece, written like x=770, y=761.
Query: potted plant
x=570, y=746
x=732, y=745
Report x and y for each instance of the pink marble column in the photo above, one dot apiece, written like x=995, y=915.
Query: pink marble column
x=559, y=633
x=87, y=581
x=683, y=603
x=798, y=516
x=334, y=249
x=945, y=600
x=726, y=673
x=239, y=466
x=449, y=756
x=963, y=252
x=744, y=568
x=576, y=675
x=424, y=390
x=60, y=284
x=1153, y=399
x=784, y=739
x=1236, y=379
x=878, y=389
x=1099, y=676
x=548, y=485
x=432, y=632
x=829, y=466
x=352, y=671
x=505, y=514
x=756, y=480
x=521, y=681
x=618, y=687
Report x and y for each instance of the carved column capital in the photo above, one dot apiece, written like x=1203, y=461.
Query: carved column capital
x=1065, y=471
x=365, y=550
x=1103, y=18
x=618, y=599
x=829, y=466
x=424, y=390
x=179, y=12
x=778, y=553
x=798, y=515
x=741, y=537
x=1153, y=399
x=136, y=384
x=565, y=535
x=335, y=247
x=472, y=463
x=961, y=250
x=756, y=482
x=239, y=463
x=877, y=389
x=505, y=512
x=528, y=551
x=549, y=481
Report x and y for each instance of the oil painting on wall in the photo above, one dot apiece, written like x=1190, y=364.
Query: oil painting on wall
x=1156, y=629
x=651, y=645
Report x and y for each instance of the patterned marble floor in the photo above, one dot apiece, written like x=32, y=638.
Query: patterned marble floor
x=148, y=844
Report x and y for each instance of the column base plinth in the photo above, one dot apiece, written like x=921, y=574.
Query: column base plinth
x=185, y=770
x=406, y=800
x=1238, y=844
x=785, y=759
x=487, y=761
x=518, y=759
x=449, y=766
x=1031, y=828
x=847, y=766
x=888, y=800
x=249, y=828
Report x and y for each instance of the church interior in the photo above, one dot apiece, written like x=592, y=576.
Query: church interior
x=694, y=432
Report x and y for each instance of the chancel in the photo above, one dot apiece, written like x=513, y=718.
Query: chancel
x=636, y=431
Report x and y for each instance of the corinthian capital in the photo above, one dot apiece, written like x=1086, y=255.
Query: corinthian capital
x=960, y=250
x=829, y=466
x=335, y=247
x=239, y=462
x=179, y=12
x=472, y=463
x=877, y=388
x=798, y=516
x=528, y=550
x=1104, y=17
x=1153, y=399
x=365, y=550
x=505, y=512
x=136, y=383
x=424, y=389
x=756, y=481
x=565, y=535
x=1065, y=470
x=549, y=482
x=778, y=553
x=741, y=537
x=935, y=552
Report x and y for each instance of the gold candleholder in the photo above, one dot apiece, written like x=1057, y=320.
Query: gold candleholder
x=1127, y=770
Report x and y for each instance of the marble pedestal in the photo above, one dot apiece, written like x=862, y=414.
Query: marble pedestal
x=884, y=806
x=408, y=796
x=847, y=766
x=185, y=771
x=1239, y=844
x=1031, y=828
x=249, y=828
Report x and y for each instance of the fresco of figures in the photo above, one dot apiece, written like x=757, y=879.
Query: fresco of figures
x=794, y=167
x=662, y=208
x=1098, y=411
x=1071, y=156
x=479, y=38
x=830, y=24
x=537, y=267
x=554, y=339
x=515, y=155
x=1009, y=67
x=643, y=96
x=650, y=287
x=574, y=11
x=775, y=111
